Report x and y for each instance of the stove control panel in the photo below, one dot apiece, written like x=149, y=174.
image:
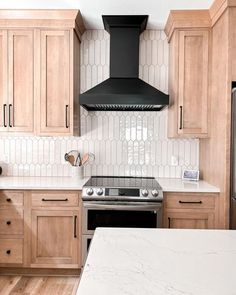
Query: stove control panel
x=144, y=194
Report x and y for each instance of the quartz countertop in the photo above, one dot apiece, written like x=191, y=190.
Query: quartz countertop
x=160, y=262
x=42, y=183
x=73, y=183
x=179, y=185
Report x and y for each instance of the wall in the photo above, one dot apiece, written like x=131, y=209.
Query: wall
x=124, y=143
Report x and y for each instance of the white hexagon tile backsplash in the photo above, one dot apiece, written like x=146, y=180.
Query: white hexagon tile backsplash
x=124, y=143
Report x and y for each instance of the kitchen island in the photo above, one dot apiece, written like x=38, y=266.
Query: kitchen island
x=160, y=262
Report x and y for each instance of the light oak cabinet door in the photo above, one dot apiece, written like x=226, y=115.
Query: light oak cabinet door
x=188, y=83
x=55, y=102
x=55, y=238
x=3, y=81
x=20, y=80
x=189, y=220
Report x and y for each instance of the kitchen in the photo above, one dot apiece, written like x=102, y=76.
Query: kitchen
x=146, y=100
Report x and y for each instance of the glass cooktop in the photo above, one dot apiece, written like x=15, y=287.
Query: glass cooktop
x=122, y=182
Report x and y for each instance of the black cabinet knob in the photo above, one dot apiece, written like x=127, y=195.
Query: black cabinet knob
x=8, y=222
x=8, y=200
x=8, y=252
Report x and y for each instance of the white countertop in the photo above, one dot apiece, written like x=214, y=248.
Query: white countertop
x=160, y=262
x=41, y=183
x=179, y=185
x=73, y=183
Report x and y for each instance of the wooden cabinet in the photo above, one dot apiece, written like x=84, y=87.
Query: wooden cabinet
x=55, y=238
x=56, y=84
x=55, y=229
x=193, y=220
x=11, y=228
x=191, y=210
x=16, y=81
x=188, y=80
x=40, y=229
x=39, y=71
x=3, y=80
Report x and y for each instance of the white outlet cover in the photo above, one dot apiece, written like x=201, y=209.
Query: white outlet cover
x=174, y=161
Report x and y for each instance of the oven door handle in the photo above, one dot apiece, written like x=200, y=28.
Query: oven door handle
x=93, y=205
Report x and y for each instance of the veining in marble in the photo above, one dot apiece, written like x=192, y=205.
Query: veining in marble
x=160, y=262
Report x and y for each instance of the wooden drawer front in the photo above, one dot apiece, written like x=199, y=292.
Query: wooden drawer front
x=181, y=201
x=54, y=199
x=11, y=222
x=11, y=250
x=11, y=198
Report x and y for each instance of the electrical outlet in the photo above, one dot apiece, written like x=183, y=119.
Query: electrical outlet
x=174, y=161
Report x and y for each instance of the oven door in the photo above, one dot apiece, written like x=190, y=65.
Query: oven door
x=120, y=214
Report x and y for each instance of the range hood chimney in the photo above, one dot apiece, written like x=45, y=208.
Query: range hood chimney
x=124, y=91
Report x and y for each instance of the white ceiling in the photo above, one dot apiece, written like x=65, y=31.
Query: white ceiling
x=92, y=10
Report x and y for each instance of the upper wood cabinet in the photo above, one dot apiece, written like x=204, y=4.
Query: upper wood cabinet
x=16, y=81
x=39, y=71
x=56, y=99
x=188, y=79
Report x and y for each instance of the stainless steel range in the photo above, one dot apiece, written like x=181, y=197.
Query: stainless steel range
x=109, y=201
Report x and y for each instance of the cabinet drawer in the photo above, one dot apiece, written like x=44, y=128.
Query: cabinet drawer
x=11, y=198
x=41, y=199
x=181, y=201
x=11, y=250
x=11, y=221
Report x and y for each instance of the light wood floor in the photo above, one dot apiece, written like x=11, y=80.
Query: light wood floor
x=27, y=285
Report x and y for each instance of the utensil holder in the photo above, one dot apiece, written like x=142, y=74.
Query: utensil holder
x=77, y=172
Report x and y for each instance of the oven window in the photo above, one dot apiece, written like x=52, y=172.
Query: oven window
x=113, y=218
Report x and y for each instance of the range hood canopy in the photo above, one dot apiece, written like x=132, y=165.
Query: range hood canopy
x=124, y=90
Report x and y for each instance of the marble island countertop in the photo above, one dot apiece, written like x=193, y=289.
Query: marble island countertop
x=160, y=262
x=73, y=183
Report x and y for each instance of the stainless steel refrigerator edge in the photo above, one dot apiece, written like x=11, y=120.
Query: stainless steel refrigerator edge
x=233, y=163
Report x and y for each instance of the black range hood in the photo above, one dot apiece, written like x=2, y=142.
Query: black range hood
x=124, y=91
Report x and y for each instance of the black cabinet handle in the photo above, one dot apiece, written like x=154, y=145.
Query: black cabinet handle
x=4, y=115
x=56, y=200
x=8, y=222
x=190, y=202
x=67, y=106
x=8, y=252
x=10, y=105
x=8, y=200
x=181, y=118
x=75, y=226
x=168, y=222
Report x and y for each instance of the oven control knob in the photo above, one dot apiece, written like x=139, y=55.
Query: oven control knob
x=144, y=193
x=99, y=191
x=155, y=193
x=89, y=191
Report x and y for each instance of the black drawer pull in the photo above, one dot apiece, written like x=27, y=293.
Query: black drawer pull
x=56, y=200
x=8, y=200
x=168, y=222
x=67, y=125
x=8, y=222
x=190, y=202
x=4, y=115
x=8, y=252
x=181, y=118
x=10, y=125
x=75, y=226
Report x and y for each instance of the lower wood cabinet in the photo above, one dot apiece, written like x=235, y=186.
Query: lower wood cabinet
x=193, y=220
x=55, y=238
x=191, y=210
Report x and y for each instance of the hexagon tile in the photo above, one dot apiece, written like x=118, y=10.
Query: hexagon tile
x=124, y=143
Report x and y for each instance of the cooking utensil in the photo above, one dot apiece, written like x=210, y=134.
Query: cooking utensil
x=85, y=159
x=72, y=157
x=78, y=160
x=88, y=159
